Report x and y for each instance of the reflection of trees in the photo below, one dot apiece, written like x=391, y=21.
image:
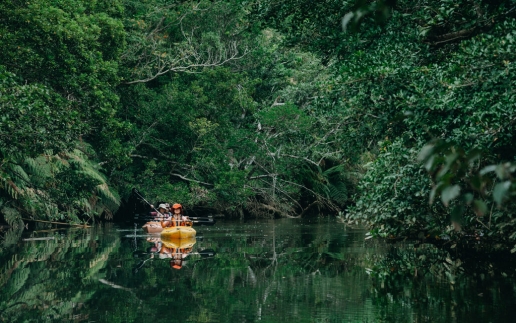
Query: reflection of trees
x=268, y=275
x=279, y=272
x=264, y=273
x=52, y=279
x=423, y=283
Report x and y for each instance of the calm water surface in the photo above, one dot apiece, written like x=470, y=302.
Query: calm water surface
x=255, y=271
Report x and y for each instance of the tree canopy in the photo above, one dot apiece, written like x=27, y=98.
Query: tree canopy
x=374, y=110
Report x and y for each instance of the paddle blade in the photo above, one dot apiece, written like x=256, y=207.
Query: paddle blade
x=207, y=253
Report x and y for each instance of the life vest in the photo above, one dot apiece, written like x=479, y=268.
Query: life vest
x=176, y=251
x=181, y=222
x=176, y=254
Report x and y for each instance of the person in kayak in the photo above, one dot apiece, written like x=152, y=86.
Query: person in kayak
x=177, y=219
x=155, y=225
x=163, y=211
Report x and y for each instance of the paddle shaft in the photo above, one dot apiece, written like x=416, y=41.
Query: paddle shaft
x=198, y=220
x=202, y=253
x=143, y=198
x=194, y=218
x=194, y=222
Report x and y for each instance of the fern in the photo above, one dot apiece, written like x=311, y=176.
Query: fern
x=56, y=186
x=11, y=216
x=337, y=184
x=330, y=184
x=11, y=237
x=339, y=192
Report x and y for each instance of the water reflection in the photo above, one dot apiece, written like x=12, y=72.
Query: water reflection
x=270, y=271
x=175, y=250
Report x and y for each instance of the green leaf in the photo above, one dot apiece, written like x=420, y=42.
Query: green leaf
x=501, y=172
x=449, y=193
x=476, y=182
x=436, y=190
x=479, y=207
x=487, y=169
x=426, y=152
x=450, y=160
x=429, y=163
x=500, y=191
x=468, y=197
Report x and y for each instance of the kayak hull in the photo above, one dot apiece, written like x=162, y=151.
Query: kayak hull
x=179, y=243
x=152, y=227
x=177, y=233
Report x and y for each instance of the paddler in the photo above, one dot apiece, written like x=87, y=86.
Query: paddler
x=162, y=214
x=177, y=219
x=163, y=211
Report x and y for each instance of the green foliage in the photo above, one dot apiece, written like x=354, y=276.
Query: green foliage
x=184, y=36
x=55, y=187
x=189, y=101
x=57, y=84
x=262, y=107
x=70, y=46
x=476, y=188
x=34, y=118
x=392, y=203
x=437, y=71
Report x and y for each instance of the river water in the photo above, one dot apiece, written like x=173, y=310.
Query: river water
x=256, y=271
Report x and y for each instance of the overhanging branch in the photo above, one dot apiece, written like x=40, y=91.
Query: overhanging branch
x=191, y=180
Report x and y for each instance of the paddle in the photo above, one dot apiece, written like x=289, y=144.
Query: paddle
x=141, y=263
x=136, y=192
x=208, y=253
x=196, y=220
x=204, y=253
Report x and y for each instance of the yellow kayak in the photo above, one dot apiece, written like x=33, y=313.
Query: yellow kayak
x=177, y=233
x=179, y=243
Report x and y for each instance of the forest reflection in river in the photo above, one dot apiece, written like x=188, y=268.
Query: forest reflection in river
x=268, y=270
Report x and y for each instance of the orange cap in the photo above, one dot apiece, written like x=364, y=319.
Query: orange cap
x=177, y=206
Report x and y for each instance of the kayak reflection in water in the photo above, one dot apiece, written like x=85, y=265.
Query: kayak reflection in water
x=176, y=250
x=178, y=255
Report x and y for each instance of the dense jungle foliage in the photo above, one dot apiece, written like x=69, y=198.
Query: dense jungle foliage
x=373, y=110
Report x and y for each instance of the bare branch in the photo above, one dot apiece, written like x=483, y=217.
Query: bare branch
x=189, y=61
x=191, y=180
x=154, y=54
x=145, y=134
x=143, y=157
x=306, y=188
x=262, y=176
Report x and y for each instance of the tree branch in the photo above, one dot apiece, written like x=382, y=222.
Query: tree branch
x=303, y=158
x=191, y=180
x=262, y=176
